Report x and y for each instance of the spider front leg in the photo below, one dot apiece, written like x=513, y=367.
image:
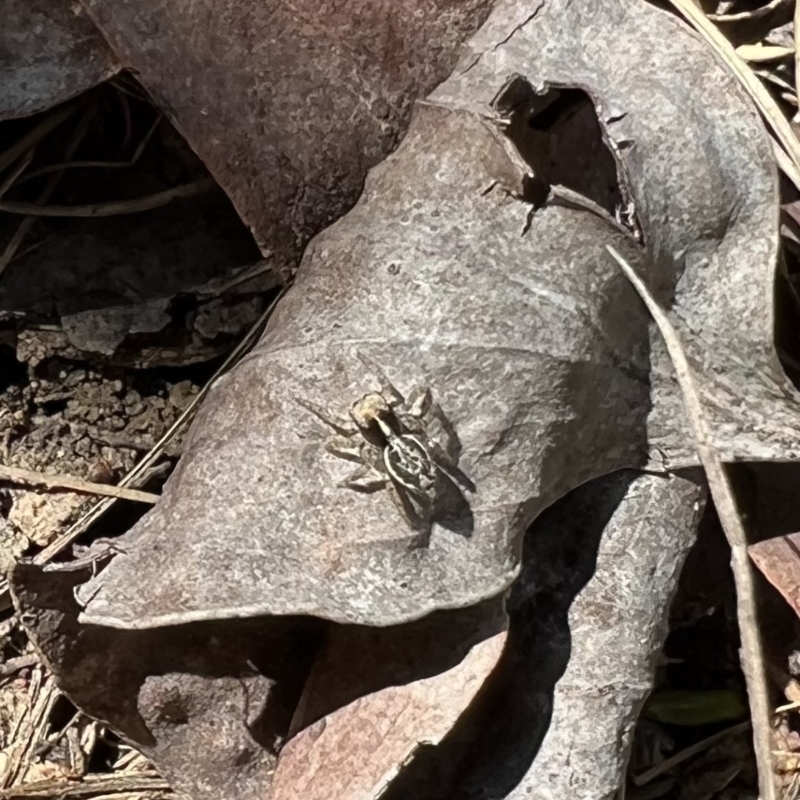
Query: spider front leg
x=365, y=479
x=346, y=449
x=342, y=425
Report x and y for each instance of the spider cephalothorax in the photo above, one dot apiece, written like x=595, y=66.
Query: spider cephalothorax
x=404, y=445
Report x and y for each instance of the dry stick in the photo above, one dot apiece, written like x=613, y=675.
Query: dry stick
x=89, y=786
x=768, y=107
x=20, y=168
x=34, y=136
x=766, y=75
x=49, y=187
x=29, y=477
x=96, y=164
x=785, y=163
x=37, y=720
x=689, y=752
x=114, y=208
x=796, y=51
x=752, y=655
x=50, y=743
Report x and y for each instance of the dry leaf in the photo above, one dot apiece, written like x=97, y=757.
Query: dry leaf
x=354, y=752
x=587, y=617
x=288, y=105
x=48, y=54
x=208, y=705
x=779, y=560
x=760, y=53
x=533, y=345
x=273, y=531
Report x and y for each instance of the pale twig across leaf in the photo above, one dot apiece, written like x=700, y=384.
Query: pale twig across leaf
x=753, y=661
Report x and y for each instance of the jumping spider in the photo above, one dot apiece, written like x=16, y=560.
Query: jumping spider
x=405, y=445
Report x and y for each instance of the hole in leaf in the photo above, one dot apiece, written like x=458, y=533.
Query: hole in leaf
x=559, y=137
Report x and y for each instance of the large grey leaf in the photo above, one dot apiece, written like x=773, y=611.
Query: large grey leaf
x=532, y=344
x=517, y=322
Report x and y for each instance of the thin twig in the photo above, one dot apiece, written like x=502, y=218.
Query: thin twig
x=96, y=164
x=29, y=477
x=689, y=752
x=90, y=785
x=48, y=746
x=749, y=80
x=11, y=179
x=773, y=78
x=34, y=136
x=797, y=49
x=50, y=186
x=752, y=654
x=42, y=697
x=14, y=665
x=114, y=208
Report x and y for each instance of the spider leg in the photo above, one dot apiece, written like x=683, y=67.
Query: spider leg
x=418, y=518
x=388, y=390
x=365, y=479
x=351, y=452
x=440, y=455
x=341, y=425
x=419, y=401
x=449, y=466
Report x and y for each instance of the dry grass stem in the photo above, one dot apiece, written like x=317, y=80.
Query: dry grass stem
x=32, y=478
x=753, y=661
x=689, y=752
x=35, y=135
x=49, y=187
x=114, y=208
x=96, y=164
x=749, y=80
x=11, y=178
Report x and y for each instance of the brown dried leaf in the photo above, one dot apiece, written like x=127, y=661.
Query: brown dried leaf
x=274, y=526
x=48, y=53
x=759, y=53
x=779, y=560
x=531, y=342
x=288, y=104
x=354, y=752
x=226, y=693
